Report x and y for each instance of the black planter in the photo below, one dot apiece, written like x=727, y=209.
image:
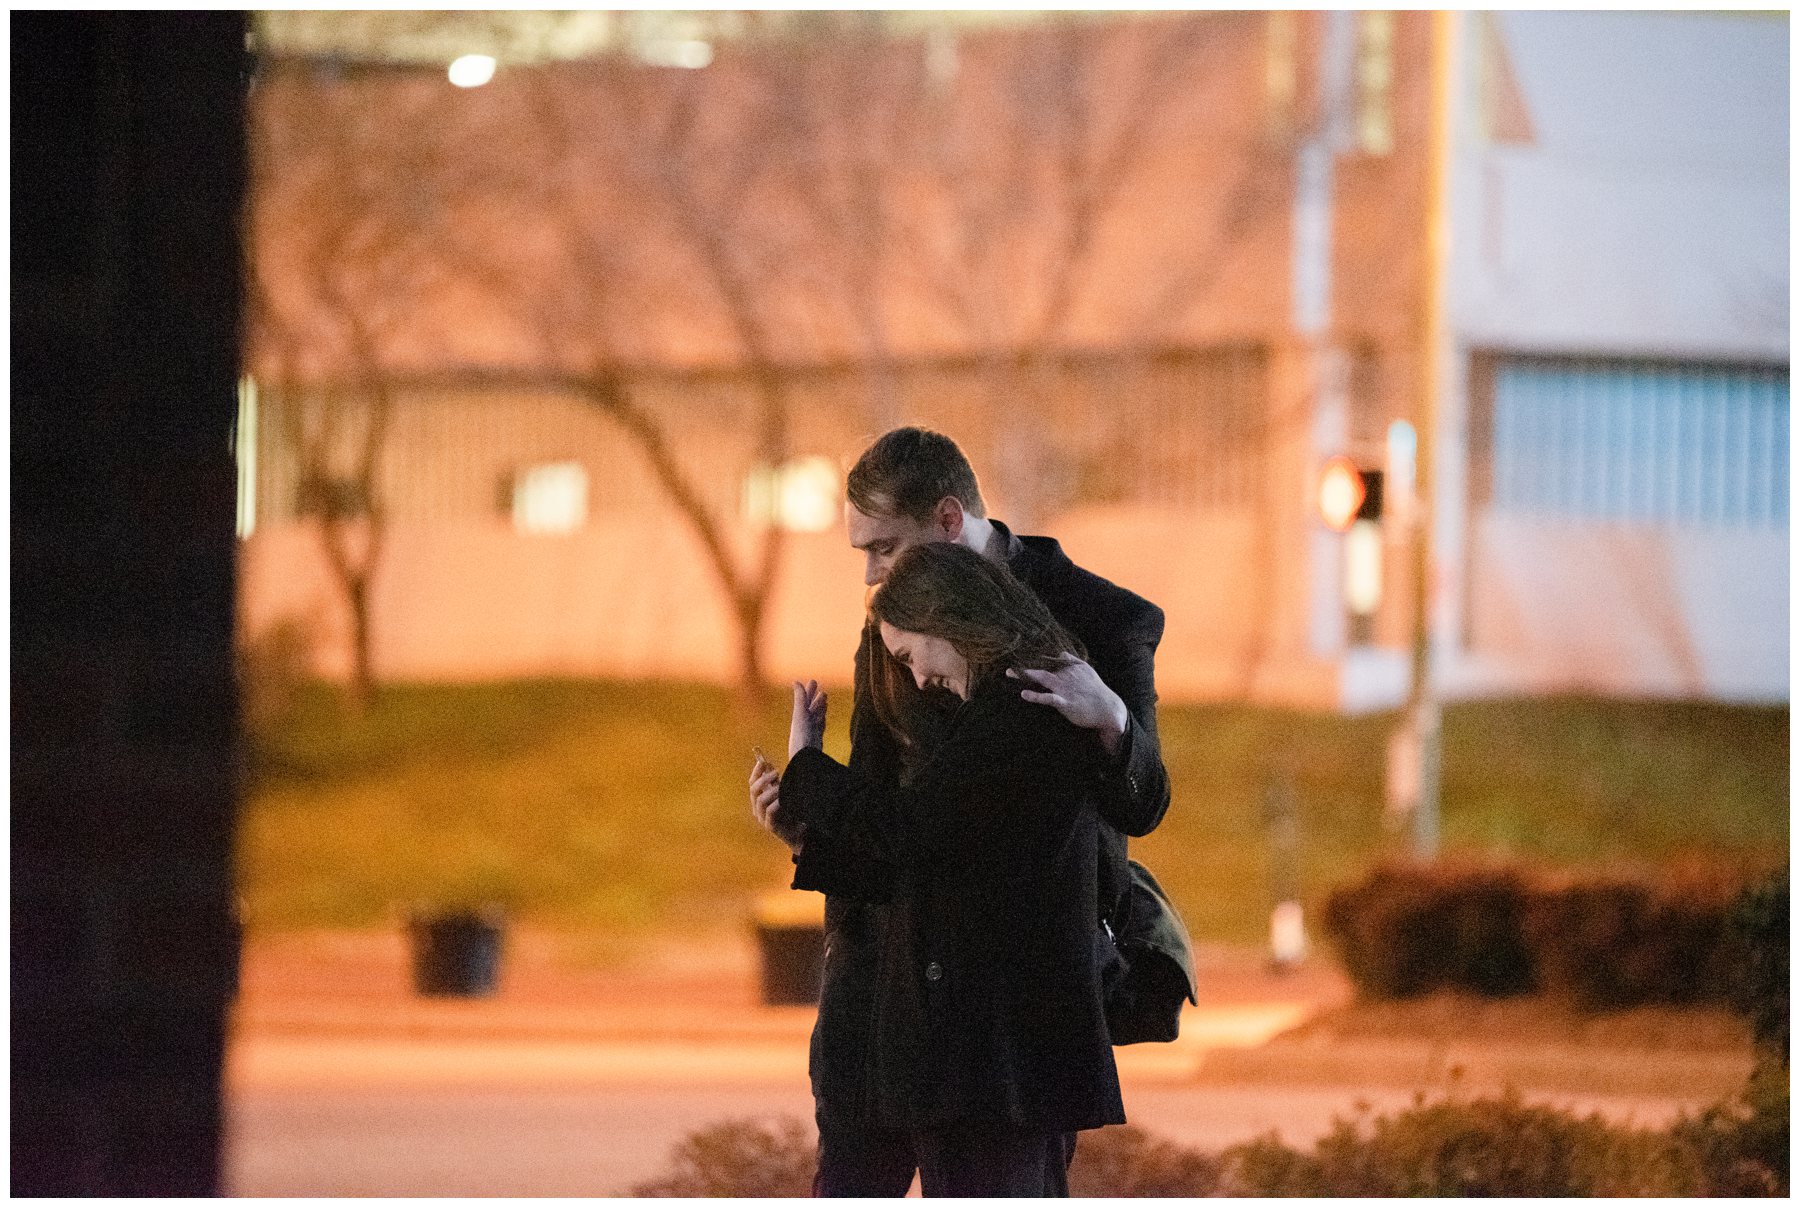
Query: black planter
x=793, y=964
x=456, y=953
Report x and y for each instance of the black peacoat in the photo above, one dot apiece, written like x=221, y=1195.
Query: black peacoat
x=858, y=1056
x=991, y=847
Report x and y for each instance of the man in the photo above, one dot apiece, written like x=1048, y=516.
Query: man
x=914, y=486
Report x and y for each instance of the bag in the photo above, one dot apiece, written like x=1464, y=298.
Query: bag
x=1152, y=972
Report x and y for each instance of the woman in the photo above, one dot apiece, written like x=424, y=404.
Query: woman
x=988, y=851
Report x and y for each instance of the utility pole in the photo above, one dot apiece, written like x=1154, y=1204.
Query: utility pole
x=1323, y=371
x=1415, y=756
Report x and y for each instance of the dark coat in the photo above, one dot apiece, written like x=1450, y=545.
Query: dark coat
x=992, y=847
x=857, y=1055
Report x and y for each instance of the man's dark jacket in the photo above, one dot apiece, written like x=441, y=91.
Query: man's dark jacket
x=992, y=845
x=859, y=1057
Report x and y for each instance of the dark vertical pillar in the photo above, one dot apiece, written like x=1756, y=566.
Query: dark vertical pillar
x=128, y=170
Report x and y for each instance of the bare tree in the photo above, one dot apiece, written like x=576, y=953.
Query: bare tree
x=1039, y=180
x=342, y=244
x=694, y=169
x=382, y=192
x=789, y=202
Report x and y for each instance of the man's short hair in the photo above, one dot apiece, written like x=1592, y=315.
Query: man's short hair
x=907, y=471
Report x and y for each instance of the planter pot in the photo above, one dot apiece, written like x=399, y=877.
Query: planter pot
x=793, y=964
x=456, y=953
x=790, y=936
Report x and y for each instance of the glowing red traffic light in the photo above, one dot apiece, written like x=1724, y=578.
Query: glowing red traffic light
x=1341, y=493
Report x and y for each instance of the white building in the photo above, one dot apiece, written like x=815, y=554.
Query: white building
x=1619, y=299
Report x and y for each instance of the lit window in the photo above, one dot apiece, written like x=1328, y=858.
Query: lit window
x=690, y=53
x=472, y=71
x=802, y=496
x=1375, y=82
x=550, y=499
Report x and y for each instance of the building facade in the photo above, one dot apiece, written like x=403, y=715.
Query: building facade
x=1151, y=361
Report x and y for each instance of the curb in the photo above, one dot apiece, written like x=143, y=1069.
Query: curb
x=1700, y=1076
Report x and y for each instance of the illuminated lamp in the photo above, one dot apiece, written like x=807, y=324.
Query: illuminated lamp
x=1341, y=493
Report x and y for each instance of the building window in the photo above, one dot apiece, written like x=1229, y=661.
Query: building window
x=550, y=498
x=1688, y=445
x=802, y=496
x=1375, y=82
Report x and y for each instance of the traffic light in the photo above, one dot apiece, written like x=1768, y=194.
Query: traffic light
x=1341, y=493
x=1350, y=503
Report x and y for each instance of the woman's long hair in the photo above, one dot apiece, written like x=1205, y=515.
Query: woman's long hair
x=944, y=590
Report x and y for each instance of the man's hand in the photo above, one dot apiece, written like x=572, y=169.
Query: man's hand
x=1076, y=691
x=808, y=726
x=765, y=804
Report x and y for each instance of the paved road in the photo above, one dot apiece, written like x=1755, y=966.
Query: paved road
x=430, y=1117
x=578, y=1080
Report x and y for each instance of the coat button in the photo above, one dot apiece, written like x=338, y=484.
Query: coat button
x=934, y=972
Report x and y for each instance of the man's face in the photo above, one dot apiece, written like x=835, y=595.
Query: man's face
x=883, y=538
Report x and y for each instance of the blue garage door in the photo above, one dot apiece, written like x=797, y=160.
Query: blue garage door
x=1649, y=442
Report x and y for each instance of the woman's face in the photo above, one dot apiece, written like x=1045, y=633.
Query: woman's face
x=933, y=661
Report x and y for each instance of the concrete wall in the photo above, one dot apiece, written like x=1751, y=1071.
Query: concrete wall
x=1630, y=610
x=1636, y=199
x=1620, y=189
x=473, y=600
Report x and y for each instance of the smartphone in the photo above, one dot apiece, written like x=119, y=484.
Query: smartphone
x=760, y=757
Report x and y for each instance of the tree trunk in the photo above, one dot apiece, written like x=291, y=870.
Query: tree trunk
x=362, y=667
x=752, y=687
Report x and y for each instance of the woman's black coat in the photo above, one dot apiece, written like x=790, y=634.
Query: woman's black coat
x=989, y=852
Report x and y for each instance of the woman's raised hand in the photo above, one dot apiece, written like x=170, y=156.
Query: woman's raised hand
x=808, y=726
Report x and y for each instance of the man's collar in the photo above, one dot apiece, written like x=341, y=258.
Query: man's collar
x=1002, y=546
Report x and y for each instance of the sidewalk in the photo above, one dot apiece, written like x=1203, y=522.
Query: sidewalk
x=327, y=1008
x=310, y=1005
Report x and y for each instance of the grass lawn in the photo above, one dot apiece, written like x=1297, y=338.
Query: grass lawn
x=621, y=807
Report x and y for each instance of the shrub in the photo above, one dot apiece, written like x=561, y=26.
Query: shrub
x=1744, y=1145
x=1490, y=1147
x=1498, y=1146
x=1128, y=1161
x=1409, y=929
x=1485, y=1147
x=739, y=1158
x=1268, y=1167
x=749, y=1158
x=1740, y=1149
x=1760, y=920
x=1613, y=942
x=1601, y=941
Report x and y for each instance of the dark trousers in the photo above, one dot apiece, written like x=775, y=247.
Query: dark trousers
x=957, y=1161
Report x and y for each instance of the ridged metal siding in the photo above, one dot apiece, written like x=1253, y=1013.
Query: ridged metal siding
x=1684, y=445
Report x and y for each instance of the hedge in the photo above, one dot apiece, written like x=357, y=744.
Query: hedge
x=1600, y=940
x=1497, y=1146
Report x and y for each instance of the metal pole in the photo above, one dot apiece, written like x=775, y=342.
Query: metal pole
x=1287, y=920
x=1421, y=738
